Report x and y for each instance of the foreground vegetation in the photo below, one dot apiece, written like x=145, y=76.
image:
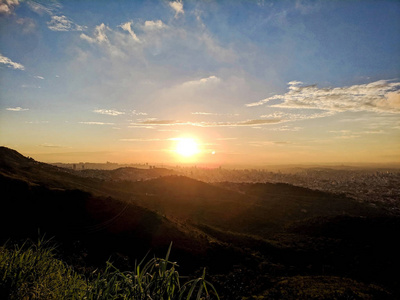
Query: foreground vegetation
x=32, y=271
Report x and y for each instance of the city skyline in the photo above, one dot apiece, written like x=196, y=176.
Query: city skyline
x=218, y=82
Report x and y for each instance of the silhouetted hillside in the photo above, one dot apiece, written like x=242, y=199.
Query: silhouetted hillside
x=104, y=224
x=255, y=239
x=126, y=173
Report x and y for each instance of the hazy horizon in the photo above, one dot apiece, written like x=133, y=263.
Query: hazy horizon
x=388, y=165
x=201, y=82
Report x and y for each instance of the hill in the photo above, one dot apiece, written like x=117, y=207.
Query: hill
x=253, y=238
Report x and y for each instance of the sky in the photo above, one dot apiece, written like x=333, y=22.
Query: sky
x=248, y=82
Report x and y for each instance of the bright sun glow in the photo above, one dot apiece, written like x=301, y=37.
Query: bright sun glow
x=187, y=147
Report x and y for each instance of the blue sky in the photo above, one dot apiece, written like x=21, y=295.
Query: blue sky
x=251, y=81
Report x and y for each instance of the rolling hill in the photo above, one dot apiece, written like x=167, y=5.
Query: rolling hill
x=252, y=237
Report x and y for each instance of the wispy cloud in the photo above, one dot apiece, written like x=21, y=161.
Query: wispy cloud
x=47, y=145
x=298, y=116
x=203, y=81
x=213, y=114
x=154, y=25
x=9, y=63
x=57, y=21
x=62, y=23
x=110, y=112
x=138, y=113
x=284, y=128
x=17, y=108
x=379, y=96
x=37, y=122
x=177, y=6
x=113, y=112
x=100, y=35
x=163, y=122
x=209, y=124
x=216, y=50
x=96, y=123
x=43, y=9
x=30, y=86
x=128, y=27
x=28, y=25
x=258, y=122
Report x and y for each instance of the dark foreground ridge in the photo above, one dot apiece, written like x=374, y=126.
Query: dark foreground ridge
x=275, y=241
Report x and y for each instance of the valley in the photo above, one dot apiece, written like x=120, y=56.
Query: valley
x=269, y=240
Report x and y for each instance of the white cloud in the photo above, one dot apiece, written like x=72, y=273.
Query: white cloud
x=41, y=9
x=17, y=108
x=47, y=145
x=96, y=123
x=203, y=81
x=100, y=35
x=117, y=45
x=57, y=22
x=38, y=77
x=62, y=23
x=379, y=96
x=213, y=114
x=138, y=113
x=110, y=112
x=285, y=128
x=177, y=6
x=128, y=27
x=153, y=25
x=7, y=6
x=87, y=38
x=298, y=116
x=9, y=63
x=209, y=124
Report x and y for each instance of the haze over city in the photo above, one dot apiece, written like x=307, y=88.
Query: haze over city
x=219, y=82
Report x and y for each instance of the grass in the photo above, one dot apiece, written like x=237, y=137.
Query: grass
x=32, y=271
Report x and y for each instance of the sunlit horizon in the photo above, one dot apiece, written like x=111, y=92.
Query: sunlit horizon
x=252, y=82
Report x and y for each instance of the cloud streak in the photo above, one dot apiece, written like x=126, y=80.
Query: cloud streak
x=209, y=124
x=378, y=96
x=96, y=123
x=203, y=81
x=110, y=112
x=9, y=63
x=213, y=114
x=62, y=23
x=57, y=22
x=16, y=109
x=100, y=35
x=128, y=27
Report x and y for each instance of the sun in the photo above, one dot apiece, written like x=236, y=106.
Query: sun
x=187, y=147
